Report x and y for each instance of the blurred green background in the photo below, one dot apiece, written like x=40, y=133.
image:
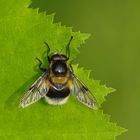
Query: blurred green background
x=112, y=52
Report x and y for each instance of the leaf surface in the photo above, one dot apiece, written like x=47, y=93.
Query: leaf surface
x=22, y=33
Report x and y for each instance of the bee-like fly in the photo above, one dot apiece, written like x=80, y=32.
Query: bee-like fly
x=57, y=82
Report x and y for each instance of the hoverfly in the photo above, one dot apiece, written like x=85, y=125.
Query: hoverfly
x=57, y=82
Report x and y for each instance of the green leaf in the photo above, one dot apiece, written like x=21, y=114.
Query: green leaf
x=22, y=33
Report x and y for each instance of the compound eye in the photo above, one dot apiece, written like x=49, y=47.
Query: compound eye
x=59, y=68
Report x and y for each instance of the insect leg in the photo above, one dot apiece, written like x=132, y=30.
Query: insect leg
x=68, y=48
x=71, y=68
x=48, y=51
x=40, y=63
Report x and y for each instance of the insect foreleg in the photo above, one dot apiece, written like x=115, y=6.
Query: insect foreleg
x=68, y=48
x=39, y=65
x=48, y=51
x=71, y=68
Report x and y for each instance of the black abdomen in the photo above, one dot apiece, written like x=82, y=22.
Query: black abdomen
x=52, y=93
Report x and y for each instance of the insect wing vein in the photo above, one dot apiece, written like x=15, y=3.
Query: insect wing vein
x=82, y=93
x=38, y=90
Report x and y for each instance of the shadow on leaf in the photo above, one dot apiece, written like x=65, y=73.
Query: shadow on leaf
x=13, y=101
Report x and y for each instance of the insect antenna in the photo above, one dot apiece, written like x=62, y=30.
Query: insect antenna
x=68, y=48
x=48, y=51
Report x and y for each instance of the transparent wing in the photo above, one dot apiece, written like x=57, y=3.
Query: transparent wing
x=82, y=93
x=38, y=90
